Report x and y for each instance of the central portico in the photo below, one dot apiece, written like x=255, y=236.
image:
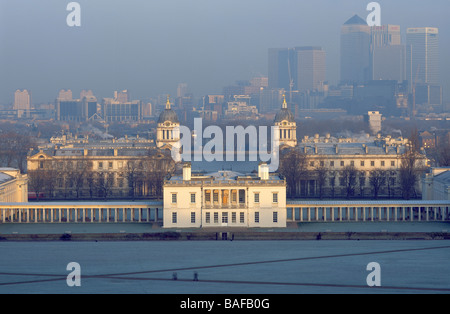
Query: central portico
x=225, y=199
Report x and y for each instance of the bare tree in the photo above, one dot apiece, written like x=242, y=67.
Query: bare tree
x=411, y=168
x=349, y=175
x=377, y=179
x=293, y=166
x=321, y=172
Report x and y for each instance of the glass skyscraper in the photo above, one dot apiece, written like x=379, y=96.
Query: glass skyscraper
x=422, y=55
x=355, y=51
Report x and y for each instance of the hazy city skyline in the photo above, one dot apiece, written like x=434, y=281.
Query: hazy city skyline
x=149, y=47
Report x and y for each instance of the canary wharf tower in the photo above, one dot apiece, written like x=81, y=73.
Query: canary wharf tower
x=355, y=51
x=423, y=55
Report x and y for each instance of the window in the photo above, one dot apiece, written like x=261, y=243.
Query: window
x=233, y=217
x=100, y=165
x=241, y=217
x=342, y=163
x=192, y=198
x=362, y=163
x=110, y=165
x=192, y=217
x=216, y=218
x=372, y=163
x=275, y=217
x=382, y=163
x=120, y=164
x=322, y=163
x=224, y=218
x=392, y=163
x=208, y=218
x=352, y=163
x=174, y=198
x=275, y=197
x=256, y=217
x=208, y=196
x=256, y=197
x=215, y=196
x=311, y=163
x=174, y=218
x=332, y=163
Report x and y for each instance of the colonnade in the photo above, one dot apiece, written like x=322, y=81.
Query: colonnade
x=80, y=214
x=368, y=212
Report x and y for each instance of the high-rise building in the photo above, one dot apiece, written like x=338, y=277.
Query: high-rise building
x=65, y=94
x=282, y=68
x=311, y=68
x=22, y=103
x=387, y=54
x=389, y=63
x=355, y=51
x=422, y=55
x=297, y=69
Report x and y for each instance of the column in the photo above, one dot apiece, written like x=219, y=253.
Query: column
x=403, y=213
x=411, y=213
x=317, y=213
x=308, y=213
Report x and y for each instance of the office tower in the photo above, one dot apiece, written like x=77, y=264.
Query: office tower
x=282, y=68
x=385, y=35
x=296, y=69
x=22, y=103
x=123, y=96
x=422, y=55
x=65, y=94
x=182, y=90
x=387, y=54
x=389, y=63
x=311, y=68
x=355, y=51
x=86, y=93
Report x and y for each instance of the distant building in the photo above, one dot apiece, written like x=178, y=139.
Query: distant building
x=355, y=50
x=389, y=63
x=299, y=68
x=225, y=199
x=13, y=186
x=166, y=132
x=436, y=184
x=65, y=95
x=312, y=68
x=22, y=103
x=285, y=121
x=374, y=120
x=422, y=55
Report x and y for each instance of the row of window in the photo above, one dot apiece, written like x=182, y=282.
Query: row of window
x=224, y=218
x=216, y=198
x=342, y=163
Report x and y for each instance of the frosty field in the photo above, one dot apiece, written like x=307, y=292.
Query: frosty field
x=225, y=267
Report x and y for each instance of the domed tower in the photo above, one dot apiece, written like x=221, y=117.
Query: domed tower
x=285, y=121
x=166, y=133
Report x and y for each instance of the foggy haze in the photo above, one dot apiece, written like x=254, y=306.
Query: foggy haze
x=149, y=47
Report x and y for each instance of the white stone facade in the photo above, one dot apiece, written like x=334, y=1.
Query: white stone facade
x=224, y=199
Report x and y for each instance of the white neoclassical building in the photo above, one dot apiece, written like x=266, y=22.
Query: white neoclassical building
x=13, y=186
x=225, y=199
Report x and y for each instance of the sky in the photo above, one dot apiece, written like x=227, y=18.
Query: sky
x=150, y=46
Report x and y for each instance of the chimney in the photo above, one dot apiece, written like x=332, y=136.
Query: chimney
x=316, y=150
x=336, y=148
x=263, y=171
x=187, y=171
